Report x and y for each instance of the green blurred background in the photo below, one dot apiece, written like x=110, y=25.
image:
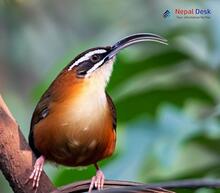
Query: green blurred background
x=167, y=97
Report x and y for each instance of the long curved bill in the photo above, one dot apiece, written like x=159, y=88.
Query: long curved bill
x=134, y=39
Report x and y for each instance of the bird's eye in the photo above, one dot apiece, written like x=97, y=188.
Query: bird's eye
x=95, y=58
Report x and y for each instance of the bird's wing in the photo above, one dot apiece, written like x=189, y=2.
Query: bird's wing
x=41, y=111
x=113, y=111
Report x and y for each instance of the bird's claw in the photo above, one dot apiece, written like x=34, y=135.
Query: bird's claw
x=97, y=181
x=35, y=175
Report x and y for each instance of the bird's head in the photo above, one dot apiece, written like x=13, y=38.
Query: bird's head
x=97, y=63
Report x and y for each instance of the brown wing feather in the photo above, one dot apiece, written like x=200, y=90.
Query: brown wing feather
x=41, y=111
x=113, y=111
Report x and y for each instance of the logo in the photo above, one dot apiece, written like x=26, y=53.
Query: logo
x=193, y=13
x=166, y=14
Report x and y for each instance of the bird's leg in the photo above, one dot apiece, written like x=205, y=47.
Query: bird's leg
x=35, y=175
x=97, y=180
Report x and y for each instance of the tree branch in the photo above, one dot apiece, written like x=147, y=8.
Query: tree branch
x=17, y=159
x=126, y=186
x=110, y=186
x=190, y=184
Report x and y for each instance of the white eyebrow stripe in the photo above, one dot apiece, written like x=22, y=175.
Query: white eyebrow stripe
x=86, y=57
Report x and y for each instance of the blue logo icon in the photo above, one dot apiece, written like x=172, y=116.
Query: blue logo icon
x=166, y=14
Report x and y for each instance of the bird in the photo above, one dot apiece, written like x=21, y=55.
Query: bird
x=74, y=122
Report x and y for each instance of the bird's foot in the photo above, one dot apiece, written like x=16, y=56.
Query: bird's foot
x=35, y=175
x=97, y=181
